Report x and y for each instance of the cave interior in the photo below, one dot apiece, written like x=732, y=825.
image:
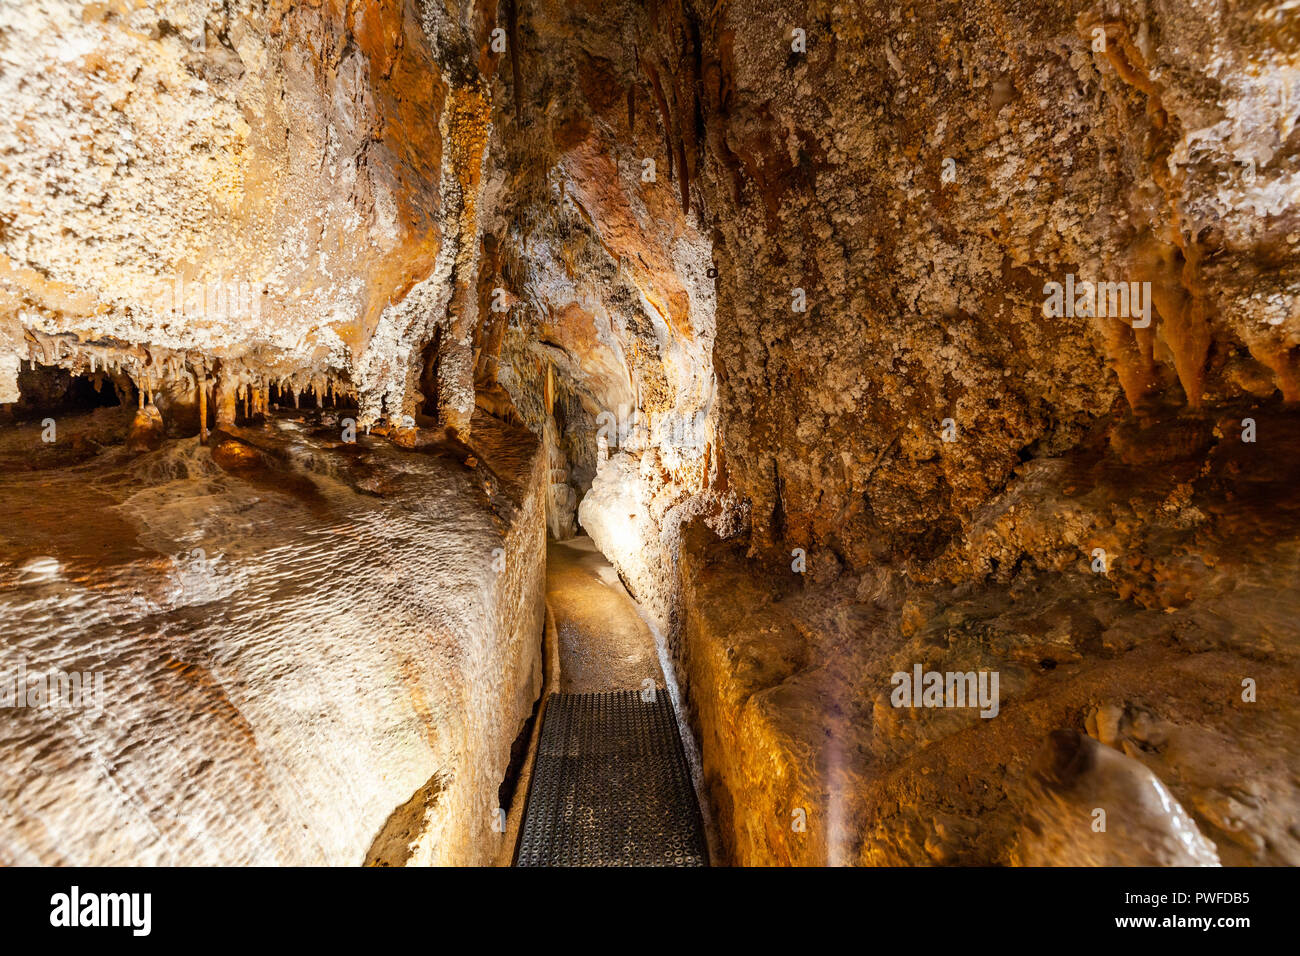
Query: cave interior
x=907, y=392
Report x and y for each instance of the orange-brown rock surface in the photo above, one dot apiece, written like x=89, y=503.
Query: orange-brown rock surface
x=291, y=188
x=887, y=195
x=859, y=337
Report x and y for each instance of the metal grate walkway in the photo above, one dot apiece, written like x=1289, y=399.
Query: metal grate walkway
x=610, y=786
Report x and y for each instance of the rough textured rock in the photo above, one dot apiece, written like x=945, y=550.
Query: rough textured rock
x=297, y=642
x=886, y=197
x=1149, y=162
x=1164, y=658
x=290, y=188
x=772, y=285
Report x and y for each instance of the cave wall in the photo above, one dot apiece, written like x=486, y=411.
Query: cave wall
x=1168, y=157
x=770, y=284
x=630, y=205
x=318, y=650
x=287, y=190
x=307, y=652
x=843, y=260
x=603, y=272
x=894, y=469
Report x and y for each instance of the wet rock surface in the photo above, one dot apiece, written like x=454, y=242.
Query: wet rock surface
x=859, y=338
x=289, y=656
x=603, y=643
x=1161, y=660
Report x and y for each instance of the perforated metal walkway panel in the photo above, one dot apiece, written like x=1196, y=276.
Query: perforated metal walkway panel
x=610, y=786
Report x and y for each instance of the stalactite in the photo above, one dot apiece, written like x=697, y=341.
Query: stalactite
x=664, y=113
x=516, y=72
x=200, y=374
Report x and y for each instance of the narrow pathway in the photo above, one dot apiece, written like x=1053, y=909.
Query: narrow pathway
x=610, y=785
x=604, y=644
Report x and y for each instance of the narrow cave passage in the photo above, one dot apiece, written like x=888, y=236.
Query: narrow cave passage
x=603, y=642
x=611, y=781
x=894, y=410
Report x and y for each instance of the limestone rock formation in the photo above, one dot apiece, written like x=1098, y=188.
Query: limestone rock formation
x=293, y=639
x=915, y=449
x=289, y=188
x=1078, y=776
x=866, y=341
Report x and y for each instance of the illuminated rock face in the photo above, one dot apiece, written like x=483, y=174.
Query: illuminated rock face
x=286, y=190
x=858, y=338
x=1148, y=161
x=314, y=653
x=1161, y=658
x=907, y=412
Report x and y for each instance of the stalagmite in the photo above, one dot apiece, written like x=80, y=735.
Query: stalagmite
x=227, y=386
x=200, y=374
